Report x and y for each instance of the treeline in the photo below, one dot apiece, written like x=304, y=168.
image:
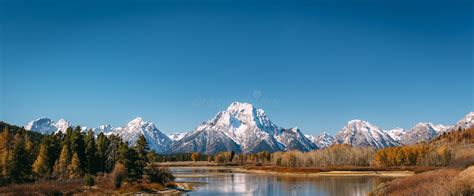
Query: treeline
x=450, y=148
x=74, y=155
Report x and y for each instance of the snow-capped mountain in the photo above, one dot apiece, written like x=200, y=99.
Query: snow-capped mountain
x=422, y=132
x=176, y=136
x=397, y=133
x=322, y=141
x=361, y=133
x=157, y=141
x=47, y=126
x=464, y=123
x=241, y=124
x=293, y=139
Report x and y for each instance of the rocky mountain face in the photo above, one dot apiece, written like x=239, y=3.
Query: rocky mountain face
x=361, y=133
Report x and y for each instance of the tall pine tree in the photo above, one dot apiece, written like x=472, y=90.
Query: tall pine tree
x=102, y=145
x=91, y=151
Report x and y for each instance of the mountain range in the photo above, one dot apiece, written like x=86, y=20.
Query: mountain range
x=242, y=128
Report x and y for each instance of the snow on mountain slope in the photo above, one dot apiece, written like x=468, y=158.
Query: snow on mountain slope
x=157, y=141
x=176, y=136
x=465, y=123
x=397, y=133
x=207, y=141
x=294, y=139
x=47, y=126
x=361, y=133
x=322, y=141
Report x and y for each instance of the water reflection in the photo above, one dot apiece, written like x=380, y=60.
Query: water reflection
x=224, y=181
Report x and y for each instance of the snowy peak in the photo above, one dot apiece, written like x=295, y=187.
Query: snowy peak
x=62, y=125
x=361, y=133
x=47, y=126
x=240, y=123
x=158, y=141
x=324, y=140
x=106, y=129
x=421, y=132
x=397, y=133
x=465, y=123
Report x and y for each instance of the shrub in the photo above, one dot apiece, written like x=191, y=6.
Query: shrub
x=118, y=175
x=89, y=180
x=161, y=175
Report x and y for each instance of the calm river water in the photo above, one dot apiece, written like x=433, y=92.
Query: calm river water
x=214, y=181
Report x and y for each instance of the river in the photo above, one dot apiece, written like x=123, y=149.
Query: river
x=225, y=181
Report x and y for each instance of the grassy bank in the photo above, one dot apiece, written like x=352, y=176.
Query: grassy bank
x=446, y=181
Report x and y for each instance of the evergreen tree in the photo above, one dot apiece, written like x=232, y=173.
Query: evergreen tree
x=91, y=159
x=78, y=145
x=60, y=167
x=112, y=155
x=41, y=164
x=74, y=169
x=142, y=147
x=129, y=158
x=142, y=150
x=18, y=168
x=102, y=145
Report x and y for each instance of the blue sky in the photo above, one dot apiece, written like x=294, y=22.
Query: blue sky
x=311, y=64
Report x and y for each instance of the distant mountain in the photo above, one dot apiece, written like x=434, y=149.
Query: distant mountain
x=361, y=133
x=322, y=141
x=397, y=133
x=157, y=141
x=422, y=132
x=47, y=126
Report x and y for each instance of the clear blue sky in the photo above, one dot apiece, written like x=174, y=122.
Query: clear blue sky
x=311, y=64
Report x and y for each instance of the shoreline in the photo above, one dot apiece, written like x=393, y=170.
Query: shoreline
x=316, y=172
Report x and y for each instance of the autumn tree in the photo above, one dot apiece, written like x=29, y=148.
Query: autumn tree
x=195, y=157
x=41, y=164
x=60, y=167
x=5, y=145
x=74, y=169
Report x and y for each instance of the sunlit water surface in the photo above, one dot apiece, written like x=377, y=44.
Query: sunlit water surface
x=225, y=182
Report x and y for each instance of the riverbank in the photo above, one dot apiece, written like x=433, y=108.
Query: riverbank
x=311, y=171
